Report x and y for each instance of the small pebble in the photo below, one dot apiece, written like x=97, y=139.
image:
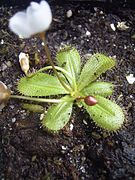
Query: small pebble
x=4, y=67
x=63, y=147
x=69, y=13
x=13, y=120
x=125, y=47
x=79, y=26
x=113, y=56
x=101, y=12
x=82, y=169
x=71, y=127
x=85, y=122
x=33, y=158
x=41, y=116
x=11, y=106
x=131, y=96
x=133, y=36
x=43, y=44
x=113, y=27
x=9, y=64
x=122, y=26
x=88, y=33
x=2, y=41
x=95, y=9
x=130, y=78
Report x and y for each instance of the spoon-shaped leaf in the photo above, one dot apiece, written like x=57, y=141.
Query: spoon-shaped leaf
x=97, y=64
x=69, y=59
x=40, y=85
x=58, y=115
x=98, y=88
x=106, y=114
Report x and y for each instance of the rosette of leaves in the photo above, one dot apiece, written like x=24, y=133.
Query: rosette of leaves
x=82, y=82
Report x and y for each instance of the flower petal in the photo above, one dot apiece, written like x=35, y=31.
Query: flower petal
x=39, y=18
x=19, y=25
x=34, y=5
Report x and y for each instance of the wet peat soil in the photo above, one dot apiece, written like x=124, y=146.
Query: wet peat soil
x=29, y=152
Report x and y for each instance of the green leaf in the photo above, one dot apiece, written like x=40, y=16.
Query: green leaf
x=94, y=67
x=69, y=59
x=33, y=107
x=106, y=114
x=58, y=115
x=40, y=85
x=98, y=88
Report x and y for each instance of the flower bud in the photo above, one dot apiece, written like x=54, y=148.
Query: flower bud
x=24, y=62
x=4, y=95
x=90, y=100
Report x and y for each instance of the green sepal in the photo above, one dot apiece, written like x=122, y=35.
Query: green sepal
x=40, y=85
x=58, y=115
x=106, y=114
x=98, y=88
x=94, y=67
x=69, y=59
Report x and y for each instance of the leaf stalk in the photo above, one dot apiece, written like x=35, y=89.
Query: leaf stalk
x=37, y=99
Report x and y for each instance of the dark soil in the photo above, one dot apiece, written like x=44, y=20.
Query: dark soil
x=27, y=151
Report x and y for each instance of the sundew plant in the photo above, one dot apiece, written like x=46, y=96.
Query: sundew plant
x=70, y=84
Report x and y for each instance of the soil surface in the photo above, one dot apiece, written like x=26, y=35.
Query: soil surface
x=27, y=151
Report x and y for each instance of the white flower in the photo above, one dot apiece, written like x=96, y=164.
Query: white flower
x=36, y=19
x=24, y=62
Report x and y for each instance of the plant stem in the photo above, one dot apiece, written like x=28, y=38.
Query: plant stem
x=48, y=54
x=37, y=99
x=50, y=67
